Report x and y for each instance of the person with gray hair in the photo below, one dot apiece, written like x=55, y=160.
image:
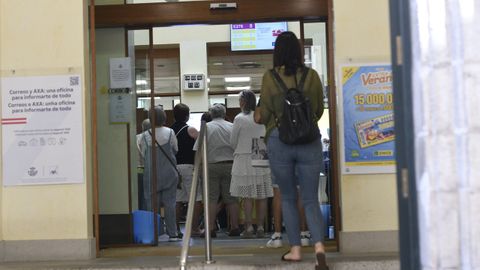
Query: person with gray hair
x=220, y=159
x=141, y=166
x=217, y=111
x=253, y=184
x=166, y=174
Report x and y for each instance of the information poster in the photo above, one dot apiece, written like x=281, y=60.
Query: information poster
x=120, y=73
x=120, y=108
x=368, y=127
x=42, y=134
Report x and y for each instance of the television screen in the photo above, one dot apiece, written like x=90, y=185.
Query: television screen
x=255, y=36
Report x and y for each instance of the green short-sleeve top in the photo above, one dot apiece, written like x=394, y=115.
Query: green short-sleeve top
x=272, y=96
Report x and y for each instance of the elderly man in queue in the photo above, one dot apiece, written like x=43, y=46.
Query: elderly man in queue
x=220, y=160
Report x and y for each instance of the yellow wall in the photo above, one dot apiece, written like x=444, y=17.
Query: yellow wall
x=362, y=35
x=45, y=37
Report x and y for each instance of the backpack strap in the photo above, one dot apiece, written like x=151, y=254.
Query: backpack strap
x=302, y=80
x=281, y=83
x=278, y=80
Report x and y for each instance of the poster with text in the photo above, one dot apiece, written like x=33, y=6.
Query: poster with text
x=368, y=128
x=42, y=130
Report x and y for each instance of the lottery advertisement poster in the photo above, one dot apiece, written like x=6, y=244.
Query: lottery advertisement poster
x=367, y=132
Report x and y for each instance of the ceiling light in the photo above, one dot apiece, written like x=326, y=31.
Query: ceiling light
x=237, y=88
x=237, y=79
x=217, y=63
x=148, y=98
x=141, y=82
x=248, y=65
x=147, y=91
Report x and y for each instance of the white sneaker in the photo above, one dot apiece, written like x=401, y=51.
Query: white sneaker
x=305, y=238
x=275, y=241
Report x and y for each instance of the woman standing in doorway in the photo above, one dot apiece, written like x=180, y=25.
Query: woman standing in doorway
x=286, y=159
x=252, y=184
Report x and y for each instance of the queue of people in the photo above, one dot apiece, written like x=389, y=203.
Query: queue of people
x=295, y=167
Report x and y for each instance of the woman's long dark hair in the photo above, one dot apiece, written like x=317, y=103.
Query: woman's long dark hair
x=288, y=53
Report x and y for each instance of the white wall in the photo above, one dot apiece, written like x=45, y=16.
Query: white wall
x=193, y=60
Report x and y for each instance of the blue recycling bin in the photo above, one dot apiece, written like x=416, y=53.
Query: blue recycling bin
x=325, y=208
x=143, y=226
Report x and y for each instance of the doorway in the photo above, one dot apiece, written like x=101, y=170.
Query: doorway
x=166, y=77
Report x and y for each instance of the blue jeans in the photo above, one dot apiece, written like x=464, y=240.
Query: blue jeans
x=307, y=161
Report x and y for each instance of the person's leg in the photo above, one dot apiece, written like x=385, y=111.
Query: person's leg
x=277, y=210
x=213, y=195
x=282, y=163
x=303, y=218
x=233, y=213
x=178, y=214
x=309, y=168
x=247, y=210
x=197, y=210
x=233, y=208
x=261, y=209
x=168, y=199
x=212, y=209
x=304, y=233
x=276, y=238
x=183, y=195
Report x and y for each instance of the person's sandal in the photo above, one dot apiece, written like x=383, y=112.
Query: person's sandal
x=321, y=262
x=288, y=260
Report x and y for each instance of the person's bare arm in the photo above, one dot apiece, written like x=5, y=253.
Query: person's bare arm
x=192, y=132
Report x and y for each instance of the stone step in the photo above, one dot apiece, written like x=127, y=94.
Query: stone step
x=336, y=261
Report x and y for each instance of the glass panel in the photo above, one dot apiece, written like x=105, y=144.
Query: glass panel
x=143, y=225
x=236, y=71
x=316, y=58
x=167, y=69
x=142, y=72
x=166, y=102
x=316, y=48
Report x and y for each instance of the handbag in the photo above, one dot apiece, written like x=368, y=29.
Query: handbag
x=180, y=180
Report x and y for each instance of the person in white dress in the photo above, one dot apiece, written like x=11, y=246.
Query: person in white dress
x=252, y=184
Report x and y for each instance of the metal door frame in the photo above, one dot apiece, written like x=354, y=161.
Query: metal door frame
x=400, y=31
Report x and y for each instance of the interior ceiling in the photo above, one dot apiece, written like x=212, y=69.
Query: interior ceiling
x=222, y=62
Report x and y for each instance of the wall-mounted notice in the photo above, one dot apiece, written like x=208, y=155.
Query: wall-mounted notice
x=120, y=107
x=368, y=128
x=120, y=73
x=42, y=134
